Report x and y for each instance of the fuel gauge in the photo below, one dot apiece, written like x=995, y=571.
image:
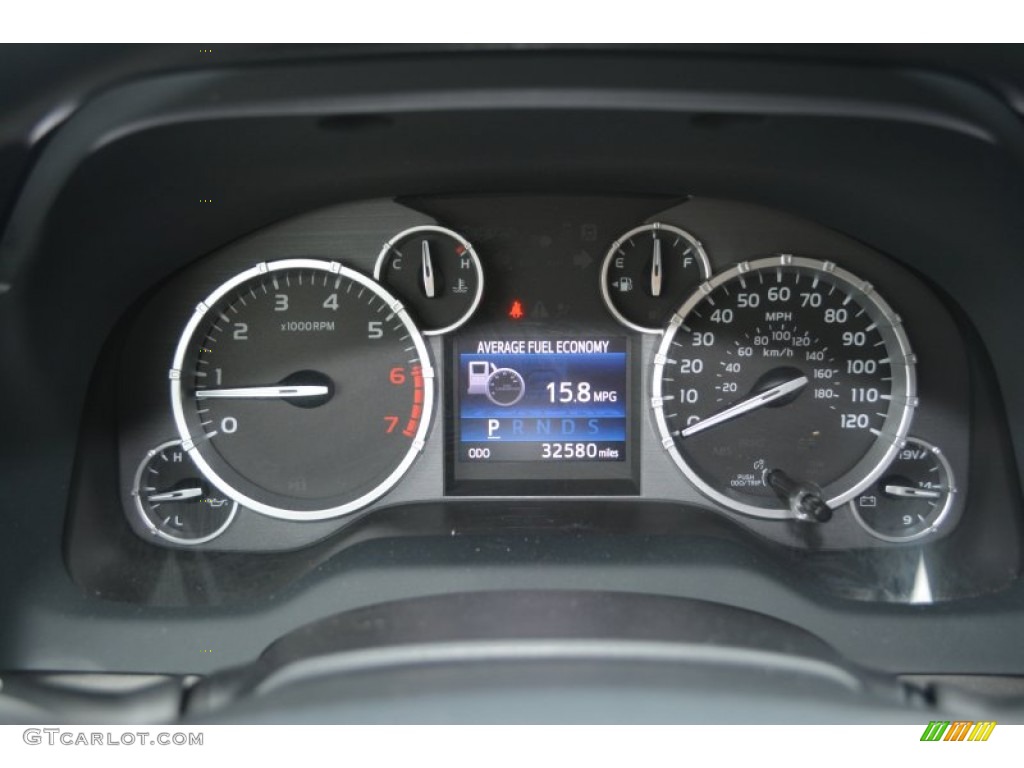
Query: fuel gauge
x=175, y=501
x=648, y=273
x=912, y=498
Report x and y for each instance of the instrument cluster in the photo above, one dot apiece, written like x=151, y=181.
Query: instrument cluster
x=442, y=350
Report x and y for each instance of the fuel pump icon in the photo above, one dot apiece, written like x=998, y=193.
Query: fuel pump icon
x=479, y=372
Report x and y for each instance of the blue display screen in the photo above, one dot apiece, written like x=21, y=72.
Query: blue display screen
x=541, y=399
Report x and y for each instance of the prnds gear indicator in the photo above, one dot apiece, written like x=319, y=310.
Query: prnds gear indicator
x=546, y=400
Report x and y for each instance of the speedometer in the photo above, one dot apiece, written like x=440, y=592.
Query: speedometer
x=783, y=387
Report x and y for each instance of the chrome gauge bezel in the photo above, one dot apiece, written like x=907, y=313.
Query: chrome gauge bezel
x=136, y=487
x=703, y=263
x=904, y=386
x=940, y=518
x=382, y=258
x=189, y=442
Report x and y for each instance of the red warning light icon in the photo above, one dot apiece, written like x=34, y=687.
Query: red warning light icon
x=516, y=312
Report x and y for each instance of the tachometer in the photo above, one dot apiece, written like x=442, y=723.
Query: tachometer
x=784, y=387
x=301, y=389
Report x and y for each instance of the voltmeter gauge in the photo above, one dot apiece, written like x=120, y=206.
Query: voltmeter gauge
x=648, y=272
x=436, y=273
x=912, y=498
x=175, y=502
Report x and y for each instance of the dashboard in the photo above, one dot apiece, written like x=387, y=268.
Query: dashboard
x=316, y=351
x=547, y=348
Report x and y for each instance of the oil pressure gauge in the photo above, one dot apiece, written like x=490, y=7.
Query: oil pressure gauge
x=175, y=502
x=437, y=275
x=912, y=498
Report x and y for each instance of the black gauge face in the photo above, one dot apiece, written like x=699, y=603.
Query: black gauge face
x=175, y=501
x=436, y=273
x=911, y=498
x=303, y=389
x=648, y=272
x=783, y=368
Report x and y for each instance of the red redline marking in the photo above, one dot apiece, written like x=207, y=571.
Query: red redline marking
x=417, y=401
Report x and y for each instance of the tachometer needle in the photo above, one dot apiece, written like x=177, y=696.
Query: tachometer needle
x=267, y=393
x=182, y=494
x=656, y=269
x=428, y=269
x=907, y=492
x=745, y=406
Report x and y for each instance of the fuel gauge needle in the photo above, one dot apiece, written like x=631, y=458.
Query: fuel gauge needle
x=908, y=492
x=265, y=393
x=656, y=269
x=182, y=494
x=428, y=270
x=745, y=406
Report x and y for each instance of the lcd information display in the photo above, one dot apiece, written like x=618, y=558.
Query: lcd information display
x=542, y=400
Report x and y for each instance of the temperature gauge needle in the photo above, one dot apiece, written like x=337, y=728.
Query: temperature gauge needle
x=266, y=393
x=656, y=269
x=908, y=492
x=428, y=270
x=745, y=406
x=182, y=494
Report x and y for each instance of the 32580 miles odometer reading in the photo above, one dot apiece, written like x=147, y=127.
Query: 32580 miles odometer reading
x=783, y=365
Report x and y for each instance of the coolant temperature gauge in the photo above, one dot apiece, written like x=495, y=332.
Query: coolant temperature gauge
x=174, y=500
x=912, y=498
x=437, y=275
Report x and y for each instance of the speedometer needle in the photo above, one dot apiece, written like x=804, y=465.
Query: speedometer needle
x=269, y=393
x=745, y=406
x=428, y=270
x=656, y=269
